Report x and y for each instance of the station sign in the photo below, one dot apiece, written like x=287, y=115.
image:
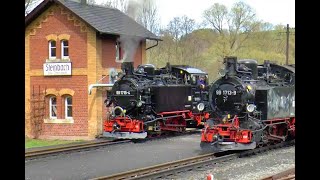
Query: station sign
x=57, y=69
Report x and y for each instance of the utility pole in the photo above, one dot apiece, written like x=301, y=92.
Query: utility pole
x=287, y=44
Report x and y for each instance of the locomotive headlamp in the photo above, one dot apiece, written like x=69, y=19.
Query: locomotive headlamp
x=251, y=107
x=200, y=106
x=118, y=111
x=139, y=103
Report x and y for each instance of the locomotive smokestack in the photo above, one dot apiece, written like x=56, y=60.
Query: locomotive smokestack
x=230, y=65
x=127, y=68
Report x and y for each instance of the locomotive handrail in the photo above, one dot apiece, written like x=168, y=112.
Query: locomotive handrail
x=98, y=85
x=164, y=118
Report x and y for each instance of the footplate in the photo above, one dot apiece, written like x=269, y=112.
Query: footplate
x=227, y=146
x=125, y=135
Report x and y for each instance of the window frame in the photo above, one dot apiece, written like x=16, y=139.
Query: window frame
x=62, y=49
x=50, y=49
x=66, y=105
x=118, y=51
x=51, y=106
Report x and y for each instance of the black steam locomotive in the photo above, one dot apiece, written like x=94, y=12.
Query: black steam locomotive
x=150, y=101
x=252, y=105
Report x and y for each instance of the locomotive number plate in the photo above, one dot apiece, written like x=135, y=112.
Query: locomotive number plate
x=226, y=92
x=122, y=92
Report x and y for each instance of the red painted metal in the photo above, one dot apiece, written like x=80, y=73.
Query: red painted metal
x=175, y=123
x=229, y=131
x=126, y=125
x=232, y=133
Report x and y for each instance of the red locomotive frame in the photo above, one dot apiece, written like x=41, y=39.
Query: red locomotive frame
x=175, y=121
x=230, y=132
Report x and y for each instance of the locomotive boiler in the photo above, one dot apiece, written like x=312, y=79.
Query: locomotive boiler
x=148, y=101
x=252, y=105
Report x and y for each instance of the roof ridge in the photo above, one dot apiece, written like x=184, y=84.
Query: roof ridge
x=93, y=5
x=105, y=20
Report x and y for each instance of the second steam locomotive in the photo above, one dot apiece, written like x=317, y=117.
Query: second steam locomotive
x=252, y=105
x=147, y=101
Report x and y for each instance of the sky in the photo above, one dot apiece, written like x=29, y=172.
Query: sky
x=273, y=11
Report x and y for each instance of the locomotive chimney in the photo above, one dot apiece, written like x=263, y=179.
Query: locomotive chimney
x=127, y=68
x=230, y=65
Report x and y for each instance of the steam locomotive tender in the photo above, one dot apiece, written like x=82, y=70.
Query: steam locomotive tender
x=149, y=101
x=252, y=105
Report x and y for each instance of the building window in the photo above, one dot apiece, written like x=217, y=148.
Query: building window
x=52, y=49
x=118, y=51
x=64, y=49
x=68, y=107
x=53, y=107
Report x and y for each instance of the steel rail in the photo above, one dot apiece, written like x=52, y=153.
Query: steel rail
x=65, y=148
x=81, y=146
x=165, y=168
x=284, y=175
x=171, y=168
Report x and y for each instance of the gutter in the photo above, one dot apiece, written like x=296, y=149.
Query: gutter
x=153, y=45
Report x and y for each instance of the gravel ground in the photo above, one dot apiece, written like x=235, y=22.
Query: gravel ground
x=247, y=168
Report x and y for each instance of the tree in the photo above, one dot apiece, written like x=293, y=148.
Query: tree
x=187, y=25
x=174, y=28
x=122, y=5
x=29, y=5
x=241, y=22
x=234, y=26
x=148, y=16
x=216, y=16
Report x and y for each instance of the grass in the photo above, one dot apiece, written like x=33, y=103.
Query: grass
x=31, y=143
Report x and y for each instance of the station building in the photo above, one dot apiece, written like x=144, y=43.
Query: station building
x=68, y=47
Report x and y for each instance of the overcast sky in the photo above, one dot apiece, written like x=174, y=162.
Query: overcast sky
x=273, y=11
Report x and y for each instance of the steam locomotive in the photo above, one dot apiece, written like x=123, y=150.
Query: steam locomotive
x=147, y=101
x=252, y=105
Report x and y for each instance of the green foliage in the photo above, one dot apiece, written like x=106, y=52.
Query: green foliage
x=233, y=32
x=205, y=49
x=30, y=143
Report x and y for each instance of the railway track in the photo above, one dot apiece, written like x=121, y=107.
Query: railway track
x=66, y=148
x=285, y=175
x=173, y=168
x=83, y=146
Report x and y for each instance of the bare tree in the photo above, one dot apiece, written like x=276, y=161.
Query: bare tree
x=148, y=16
x=118, y=4
x=29, y=5
x=216, y=16
x=174, y=28
x=235, y=26
x=187, y=25
x=241, y=21
x=91, y=1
